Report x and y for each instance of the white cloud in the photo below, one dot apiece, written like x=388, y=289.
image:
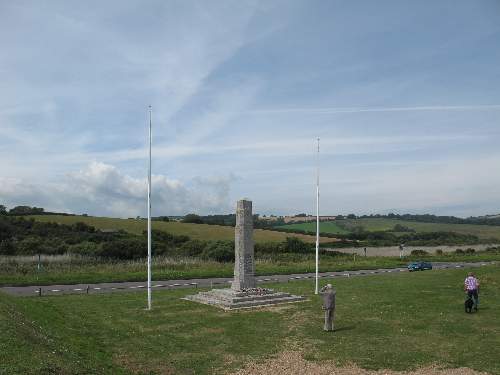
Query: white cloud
x=102, y=189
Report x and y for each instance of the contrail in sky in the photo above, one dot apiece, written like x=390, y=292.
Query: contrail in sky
x=377, y=109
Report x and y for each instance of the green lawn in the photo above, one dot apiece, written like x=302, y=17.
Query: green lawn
x=194, y=231
x=402, y=321
x=324, y=227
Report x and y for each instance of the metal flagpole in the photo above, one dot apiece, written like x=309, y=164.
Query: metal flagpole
x=149, y=212
x=317, y=221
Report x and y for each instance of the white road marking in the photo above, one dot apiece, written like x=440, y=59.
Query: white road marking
x=97, y=288
x=141, y=286
x=55, y=290
x=77, y=289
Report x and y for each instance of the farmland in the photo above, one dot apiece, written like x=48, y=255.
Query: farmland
x=194, y=231
x=324, y=227
x=380, y=224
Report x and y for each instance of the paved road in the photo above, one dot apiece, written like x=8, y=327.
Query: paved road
x=205, y=283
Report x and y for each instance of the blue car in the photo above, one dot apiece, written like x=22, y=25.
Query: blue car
x=419, y=266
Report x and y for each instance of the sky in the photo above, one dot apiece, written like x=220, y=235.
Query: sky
x=404, y=96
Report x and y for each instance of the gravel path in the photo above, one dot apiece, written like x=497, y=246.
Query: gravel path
x=292, y=363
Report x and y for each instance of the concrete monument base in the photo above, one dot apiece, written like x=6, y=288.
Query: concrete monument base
x=229, y=299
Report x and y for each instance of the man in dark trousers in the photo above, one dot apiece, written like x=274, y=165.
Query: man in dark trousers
x=328, y=294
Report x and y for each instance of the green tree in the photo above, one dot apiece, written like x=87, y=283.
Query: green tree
x=192, y=218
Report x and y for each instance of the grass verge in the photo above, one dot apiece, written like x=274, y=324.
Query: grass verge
x=70, y=269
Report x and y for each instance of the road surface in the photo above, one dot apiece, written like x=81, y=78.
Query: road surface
x=46, y=290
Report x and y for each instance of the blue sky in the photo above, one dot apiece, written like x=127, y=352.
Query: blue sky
x=404, y=95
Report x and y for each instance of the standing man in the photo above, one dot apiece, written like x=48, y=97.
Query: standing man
x=471, y=287
x=328, y=294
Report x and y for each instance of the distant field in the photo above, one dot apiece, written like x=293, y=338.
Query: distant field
x=324, y=227
x=194, y=231
x=376, y=224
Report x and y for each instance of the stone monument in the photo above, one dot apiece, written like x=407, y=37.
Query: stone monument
x=243, y=292
x=244, y=266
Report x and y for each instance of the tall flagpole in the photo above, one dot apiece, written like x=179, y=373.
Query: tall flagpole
x=317, y=221
x=149, y=212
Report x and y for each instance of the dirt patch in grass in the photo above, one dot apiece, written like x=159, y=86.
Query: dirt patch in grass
x=293, y=363
x=139, y=367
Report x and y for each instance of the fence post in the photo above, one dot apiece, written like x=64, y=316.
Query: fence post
x=39, y=292
x=87, y=289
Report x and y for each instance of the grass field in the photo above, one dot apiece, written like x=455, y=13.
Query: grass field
x=482, y=231
x=194, y=231
x=403, y=321
x=324, y=227
x=378, y=224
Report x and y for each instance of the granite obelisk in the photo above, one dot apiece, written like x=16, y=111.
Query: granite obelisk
x=244, y=266
x=243, y=293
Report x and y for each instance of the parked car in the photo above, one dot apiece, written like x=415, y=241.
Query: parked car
x=419, y=266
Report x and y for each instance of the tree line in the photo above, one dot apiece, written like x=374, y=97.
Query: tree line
x=25, y=236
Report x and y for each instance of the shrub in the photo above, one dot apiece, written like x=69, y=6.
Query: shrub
x=132, y=248
x=470, y=251
x=295, y=245
x=86, y=248
x=220, y=251
x=402, y=228
x=419, y=252
x=7, y=247
x=53, y=246
x=439, y=252
x=192, y=218
x=29, y=246
x=270, y=248
x=192, y=248
x=459, y=251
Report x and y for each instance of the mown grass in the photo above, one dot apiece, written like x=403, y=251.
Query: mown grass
x=194, y=231
x=70, y=269
x=401, y=322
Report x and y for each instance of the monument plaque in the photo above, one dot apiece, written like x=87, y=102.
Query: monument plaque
x=243, y=292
